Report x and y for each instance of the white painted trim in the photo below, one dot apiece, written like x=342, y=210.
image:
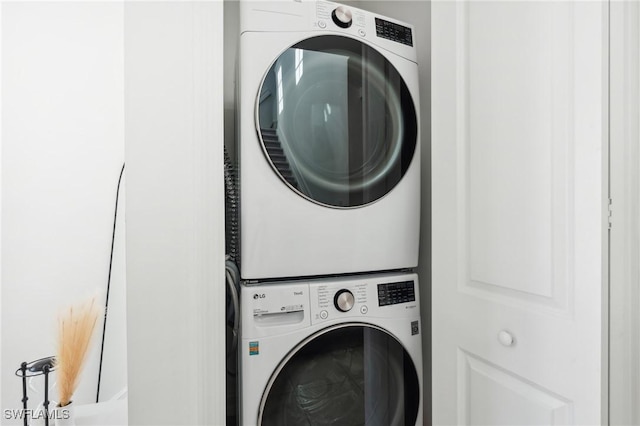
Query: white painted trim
x=1, y=192
x=624, y=350
x=606, y=234
x=175, y=212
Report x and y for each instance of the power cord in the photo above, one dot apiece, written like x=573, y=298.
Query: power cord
x=106, y=305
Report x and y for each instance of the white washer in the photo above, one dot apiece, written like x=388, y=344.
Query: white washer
x=328, y=141
x=341, y=351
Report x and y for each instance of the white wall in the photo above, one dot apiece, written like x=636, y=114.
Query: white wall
x=62, y=149
x=65, y=79
x=175, y=212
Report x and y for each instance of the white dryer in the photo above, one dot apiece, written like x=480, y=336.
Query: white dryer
x=328, y=141
x=342, y=351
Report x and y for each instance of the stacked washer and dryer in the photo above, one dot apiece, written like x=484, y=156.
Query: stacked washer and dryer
x=329, y=176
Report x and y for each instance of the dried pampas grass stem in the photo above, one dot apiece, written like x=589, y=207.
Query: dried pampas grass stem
x=75, y=328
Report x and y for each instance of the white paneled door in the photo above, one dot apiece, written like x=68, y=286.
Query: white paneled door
x=519, y=199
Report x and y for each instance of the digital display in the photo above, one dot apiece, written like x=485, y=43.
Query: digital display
x=394, y=293
x=394, y=32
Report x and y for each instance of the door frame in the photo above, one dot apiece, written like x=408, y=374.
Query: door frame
x=624, y=273
x=175, y=250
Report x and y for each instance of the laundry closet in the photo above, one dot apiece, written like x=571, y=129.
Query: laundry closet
x=514, y=187
x=326, y=184
x=437, y=206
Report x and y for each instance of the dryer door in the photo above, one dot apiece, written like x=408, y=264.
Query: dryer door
x=350, y=374
x=336, y=121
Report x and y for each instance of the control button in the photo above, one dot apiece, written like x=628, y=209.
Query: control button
x=322, y=24
x=344, y=300
x=364, y=309
x=342, y=17
x=324, y=314
x=362, y=32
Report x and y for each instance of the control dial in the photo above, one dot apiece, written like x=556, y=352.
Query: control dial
x=342, y=17
x=344, y=300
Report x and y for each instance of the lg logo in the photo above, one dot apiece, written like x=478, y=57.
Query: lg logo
x=258, y=296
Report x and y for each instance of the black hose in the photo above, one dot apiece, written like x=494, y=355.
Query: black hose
x=231, y=209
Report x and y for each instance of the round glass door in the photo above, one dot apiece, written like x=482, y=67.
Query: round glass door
x=336, y=121
x=351, y=375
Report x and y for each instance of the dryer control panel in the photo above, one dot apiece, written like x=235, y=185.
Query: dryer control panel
x=320, y=16
x=395, y=32
x=362, y=23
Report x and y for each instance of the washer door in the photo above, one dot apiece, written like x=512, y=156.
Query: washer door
x=351, y=374
x=336, y=121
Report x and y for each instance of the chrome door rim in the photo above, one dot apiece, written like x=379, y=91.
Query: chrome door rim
x=395, y=113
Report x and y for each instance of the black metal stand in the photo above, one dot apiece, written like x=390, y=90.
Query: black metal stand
x=32, y=369
x=25, y=398
x=46, y=369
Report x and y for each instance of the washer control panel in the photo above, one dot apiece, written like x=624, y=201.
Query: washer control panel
x=362, y=297
x=394, y=293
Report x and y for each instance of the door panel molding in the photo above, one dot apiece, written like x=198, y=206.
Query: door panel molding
x=505, y=165
x=511, y=391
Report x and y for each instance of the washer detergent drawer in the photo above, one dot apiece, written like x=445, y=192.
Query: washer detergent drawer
x=279, y=318
x=274, y=309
